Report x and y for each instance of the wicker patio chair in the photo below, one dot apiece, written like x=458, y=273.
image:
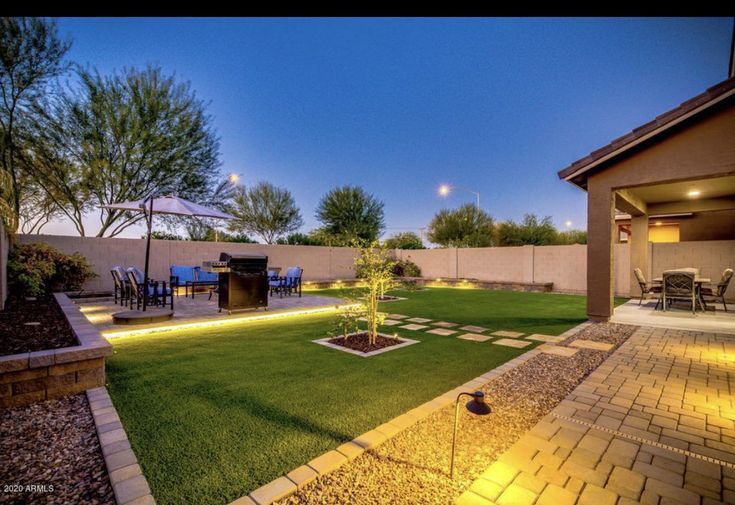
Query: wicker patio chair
x=717, y=292
x=680, y=286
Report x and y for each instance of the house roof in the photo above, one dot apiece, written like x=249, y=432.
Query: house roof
x=578, y=171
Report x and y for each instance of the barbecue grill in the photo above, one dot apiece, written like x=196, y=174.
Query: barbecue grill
x=243, y=281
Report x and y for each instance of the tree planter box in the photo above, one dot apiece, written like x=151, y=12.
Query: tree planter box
x=42, y=375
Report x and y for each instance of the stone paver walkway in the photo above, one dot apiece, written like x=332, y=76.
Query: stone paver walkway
x=653, y=424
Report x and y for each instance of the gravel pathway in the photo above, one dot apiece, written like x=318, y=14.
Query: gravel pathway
x=413, y=466
x=52, y=445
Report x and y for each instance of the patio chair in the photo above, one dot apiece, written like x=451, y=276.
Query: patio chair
x=181, y=275
x=206, y=279
x=120, y=281
x=717, y=293
x=645, y=287
x=292, y=281
x=680, y=286
x=156, y=293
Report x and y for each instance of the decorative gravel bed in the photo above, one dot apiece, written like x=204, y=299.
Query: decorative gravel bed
x=52, y=445
x=413, y=467
x=34, y=325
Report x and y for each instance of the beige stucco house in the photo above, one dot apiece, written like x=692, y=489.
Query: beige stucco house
x=675, y=172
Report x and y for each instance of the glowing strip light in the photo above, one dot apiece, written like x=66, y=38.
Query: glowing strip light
x=224, y=322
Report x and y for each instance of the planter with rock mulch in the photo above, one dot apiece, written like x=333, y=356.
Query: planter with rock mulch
x=56, y=359
x=358, y=343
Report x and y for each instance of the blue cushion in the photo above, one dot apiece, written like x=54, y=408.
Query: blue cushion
x=183, y=272
x=137, y=274
x=293, y=272
x=203, y=276
x=151, y=291
x=275, y=283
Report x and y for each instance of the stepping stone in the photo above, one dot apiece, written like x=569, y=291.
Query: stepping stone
x=474, y=336
x=512, y=343
x=418, y=320
x=391, y=322
x=397, y=316
x=445, y=324
x=556, y=350
x=414, y=327
x=362, y=318
x=441, y=331
x=544, y=338
x=473, y=329
x=504, y=333
x=590, y=344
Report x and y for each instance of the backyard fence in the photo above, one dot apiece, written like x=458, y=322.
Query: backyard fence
x=565, y=265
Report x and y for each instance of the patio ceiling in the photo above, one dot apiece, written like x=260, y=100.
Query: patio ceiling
x=678, y=191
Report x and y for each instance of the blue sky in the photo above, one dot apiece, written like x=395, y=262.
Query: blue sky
x=399, y=106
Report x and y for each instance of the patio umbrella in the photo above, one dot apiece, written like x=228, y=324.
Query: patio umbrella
x=171, y=205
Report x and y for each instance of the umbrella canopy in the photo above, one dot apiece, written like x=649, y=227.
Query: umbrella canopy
x=170, y=204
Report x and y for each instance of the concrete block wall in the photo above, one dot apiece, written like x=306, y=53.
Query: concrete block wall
x=319, y=263
x=4, y=245
x=564, y=266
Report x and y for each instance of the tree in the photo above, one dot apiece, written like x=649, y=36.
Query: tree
x=298, y=239
x=529, y=232
x=405, y=240
x=466, y=226
x=205, y=229
x=265, y=210
x=123, y=137
x=349, y=214
x=31, y=55
x=375, y=267
x=571, y=237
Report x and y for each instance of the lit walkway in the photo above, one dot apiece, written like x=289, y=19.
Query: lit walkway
x=653, y=424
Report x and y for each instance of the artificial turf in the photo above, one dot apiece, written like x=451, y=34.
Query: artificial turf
x=212, y=414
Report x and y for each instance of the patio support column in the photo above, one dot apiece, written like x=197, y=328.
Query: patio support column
x=638, y=251
x=600, y=270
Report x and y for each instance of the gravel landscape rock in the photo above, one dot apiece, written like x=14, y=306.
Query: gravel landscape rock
x=413, y=467
x=52, y=445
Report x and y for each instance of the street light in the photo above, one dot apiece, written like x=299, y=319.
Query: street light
x=445, y=189
x=477, y=406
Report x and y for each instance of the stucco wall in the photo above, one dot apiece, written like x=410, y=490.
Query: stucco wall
x=103, y=253
x=710, y=257
x=565, y=266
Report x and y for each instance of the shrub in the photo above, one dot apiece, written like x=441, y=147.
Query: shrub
x=406, y=268
x=37, y=269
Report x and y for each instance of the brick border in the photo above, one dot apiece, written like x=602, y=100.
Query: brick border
x=41, y=375
x=126, y=477
x=284, y=486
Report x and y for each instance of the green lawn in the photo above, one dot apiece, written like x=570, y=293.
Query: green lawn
x=214, y=413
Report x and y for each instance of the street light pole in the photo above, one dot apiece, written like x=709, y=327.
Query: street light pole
x=445, y=189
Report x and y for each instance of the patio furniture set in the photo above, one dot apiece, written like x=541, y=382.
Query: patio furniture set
x=129, y=284
x=684, y=284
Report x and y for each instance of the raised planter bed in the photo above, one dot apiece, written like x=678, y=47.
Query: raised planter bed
x=29, y=377
x=356, y=344
x=537, y=287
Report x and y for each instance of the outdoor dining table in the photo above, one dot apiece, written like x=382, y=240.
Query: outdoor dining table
x=698, y=281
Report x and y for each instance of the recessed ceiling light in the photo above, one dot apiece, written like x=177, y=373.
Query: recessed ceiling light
x=659, y=223
x=694, y=193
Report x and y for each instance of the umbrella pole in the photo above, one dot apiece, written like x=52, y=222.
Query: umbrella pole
x=147, y=256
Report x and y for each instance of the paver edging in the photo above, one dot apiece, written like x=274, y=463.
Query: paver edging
x=405, y=342
x=126, y=477
x=400, y=423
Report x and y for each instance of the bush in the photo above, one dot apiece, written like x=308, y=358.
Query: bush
x=37, y=269
x=406, y=268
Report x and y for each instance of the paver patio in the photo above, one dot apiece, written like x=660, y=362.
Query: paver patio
x=653, y=424
x=199, y=309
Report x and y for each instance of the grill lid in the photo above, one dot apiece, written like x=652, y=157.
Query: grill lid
x=241, y=258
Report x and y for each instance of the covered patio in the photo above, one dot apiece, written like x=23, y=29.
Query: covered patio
x=677, y=171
